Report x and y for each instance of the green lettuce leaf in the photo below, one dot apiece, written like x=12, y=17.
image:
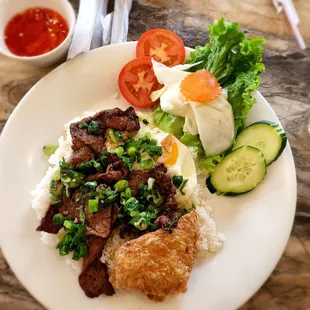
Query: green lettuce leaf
x=236, y=62
x=168, y=122
x=209, y=163
x=192, y=141
x=240, y=93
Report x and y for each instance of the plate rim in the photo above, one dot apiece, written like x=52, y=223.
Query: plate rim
x=23, y=101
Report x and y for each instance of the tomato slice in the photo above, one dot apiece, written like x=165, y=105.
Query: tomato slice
x=164, y=45
x=137, y=81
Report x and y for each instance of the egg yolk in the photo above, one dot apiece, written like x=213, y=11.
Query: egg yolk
x=170, y=150
x=200, y=86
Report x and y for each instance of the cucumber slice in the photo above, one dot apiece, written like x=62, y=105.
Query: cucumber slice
x=239, y=172
x=268, y=137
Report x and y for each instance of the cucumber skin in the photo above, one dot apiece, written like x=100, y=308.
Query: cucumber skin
x=213, y=190
x=281, y=133
x=210, y=186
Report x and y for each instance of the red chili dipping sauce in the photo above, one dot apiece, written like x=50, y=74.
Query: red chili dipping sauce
x=35, y=31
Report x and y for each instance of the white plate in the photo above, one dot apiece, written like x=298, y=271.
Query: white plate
x=257, y=225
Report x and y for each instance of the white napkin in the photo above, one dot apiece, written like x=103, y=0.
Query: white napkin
x=120, y=21
x=85, y=33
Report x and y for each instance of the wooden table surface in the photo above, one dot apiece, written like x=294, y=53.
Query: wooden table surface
x=285, y=84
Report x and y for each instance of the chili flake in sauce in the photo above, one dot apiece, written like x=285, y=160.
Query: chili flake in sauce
x=35, y=31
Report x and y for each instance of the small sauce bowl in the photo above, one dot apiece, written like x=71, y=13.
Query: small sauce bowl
x=9, y=8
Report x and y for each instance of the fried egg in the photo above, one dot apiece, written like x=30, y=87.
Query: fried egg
x=179, y=162
x=204, y=107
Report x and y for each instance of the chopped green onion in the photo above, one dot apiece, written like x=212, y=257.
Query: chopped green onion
x=148, y=135
x=104, y=160
x=152, y=213
x=76, y=255
x=67, y=191
x=127, y=162
x=89, y=187
x=65, y=178
x=72, y=179
x=153, y=142
x=82, y=216
x=131, y=151
x=127, y=192
x=56, y=189
x=83, y=125
x=112, y=197
x=83, y=251
x=132, y=204
x=153, y=150
x=93, y=205
x=56, y=176
x=155, y=197
x=134, y=213
x=64, y=250
x=142, y=190
x=118, y=135
x=49, y=149
x=177, y=180
x=93, y=128
x=150, y=183
x=101, y=190
x=112, y=136
x=147, y=164
x=121, y=185
x=73, y=240
x=55, y=201
x=182, y=186
x=145, y=121
x=119, y=151
x=58, y=219
x=64, y=165
x=115, y=136
x=140, y=221
x=68, y=224
x=68, y=238
x=138, y=156
x=97, y=166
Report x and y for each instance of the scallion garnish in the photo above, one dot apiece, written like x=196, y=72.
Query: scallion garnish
x=119, y=151
x=93, y=205
x=73, y=240
x=177, y=180
x=92, y=127
x=150, y=183
x=49, y=149
x=121, y=185
x=182, y=186
x=147, y=164
x=58, y=219
x=115, y=136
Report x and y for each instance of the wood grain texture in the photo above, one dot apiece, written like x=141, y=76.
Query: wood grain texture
x=285, y=84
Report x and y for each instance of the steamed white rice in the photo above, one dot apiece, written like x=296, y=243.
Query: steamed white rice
x=210, y=239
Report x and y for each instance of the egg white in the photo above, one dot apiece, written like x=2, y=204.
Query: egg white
x=213, y=121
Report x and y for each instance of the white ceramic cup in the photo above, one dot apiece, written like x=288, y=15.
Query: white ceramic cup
x=9, y=8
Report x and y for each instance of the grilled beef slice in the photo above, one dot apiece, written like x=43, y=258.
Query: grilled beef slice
x=115, y=171
x=94, y=278
x=47, y=224
x=162, y=182
x=86, y=146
